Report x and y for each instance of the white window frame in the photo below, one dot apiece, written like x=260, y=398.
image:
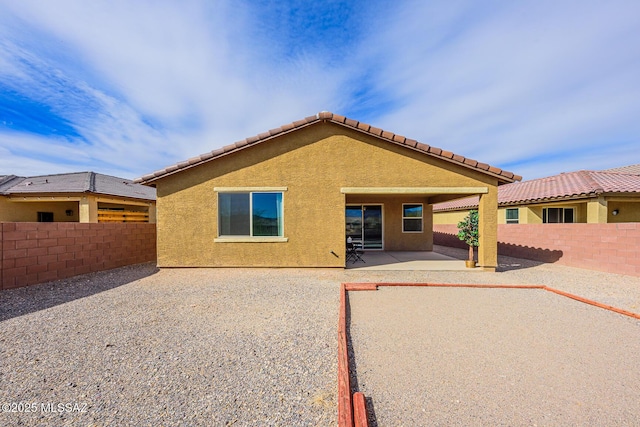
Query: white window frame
x=508, y=220
x=421, y=217
x=250, y=238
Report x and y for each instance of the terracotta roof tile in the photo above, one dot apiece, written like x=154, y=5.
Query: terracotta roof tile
x=631, y=169
x=375, y=131
x=412, y=142
x=338, y=118
x=503, y=176
x=351, y=122
x=363, y=126
x=399, y=138
x=565, y=186
x=387, y=135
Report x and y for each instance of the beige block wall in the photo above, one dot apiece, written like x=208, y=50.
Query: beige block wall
x=13, y=211
x=313, y=163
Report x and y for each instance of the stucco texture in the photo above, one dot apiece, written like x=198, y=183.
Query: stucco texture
x=313, y=163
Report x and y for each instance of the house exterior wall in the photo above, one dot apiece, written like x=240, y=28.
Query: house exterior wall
x=84, y=207
x=450, y=217
x=393, y=237
x=627, y=211
x=313, y=163
x=532, y=214
x=12, y=211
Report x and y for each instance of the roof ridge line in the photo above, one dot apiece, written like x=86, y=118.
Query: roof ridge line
x=592, y=181
x=326, y=116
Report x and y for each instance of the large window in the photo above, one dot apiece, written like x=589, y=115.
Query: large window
x=512, y=216
x=557, y=215
x=255, y=214
x=412, y=218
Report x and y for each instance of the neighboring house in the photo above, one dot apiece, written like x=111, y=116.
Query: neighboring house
x=606, y=196
x=75, y=197
x=291, y=196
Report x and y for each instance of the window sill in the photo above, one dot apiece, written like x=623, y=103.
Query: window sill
x=249, y=239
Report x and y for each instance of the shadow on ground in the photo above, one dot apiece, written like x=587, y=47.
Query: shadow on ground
x=353, y=370
x=505, y=263
x=21, y=301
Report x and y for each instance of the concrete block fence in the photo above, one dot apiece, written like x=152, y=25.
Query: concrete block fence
x=32, y=252
x=613, y=248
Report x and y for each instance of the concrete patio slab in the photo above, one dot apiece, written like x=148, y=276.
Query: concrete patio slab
x=407, y=260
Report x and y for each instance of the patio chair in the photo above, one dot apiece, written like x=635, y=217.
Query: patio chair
x=354, y=253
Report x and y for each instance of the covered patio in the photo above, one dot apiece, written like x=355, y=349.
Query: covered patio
x=393, y=227
x=407, y=260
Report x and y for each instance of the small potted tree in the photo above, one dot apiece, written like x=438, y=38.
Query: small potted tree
x=468, y=232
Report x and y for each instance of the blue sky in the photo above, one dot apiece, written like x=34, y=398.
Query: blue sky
x=126, y=88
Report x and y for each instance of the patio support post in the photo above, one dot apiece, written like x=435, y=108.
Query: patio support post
x=597, y=211
x=488, y=230
x=88, y=209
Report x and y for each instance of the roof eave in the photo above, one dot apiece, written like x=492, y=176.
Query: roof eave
x=504, y=177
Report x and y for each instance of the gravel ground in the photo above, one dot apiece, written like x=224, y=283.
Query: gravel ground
x=493, y=357
x=209, y=347
x=216, y=347
x=450, y=356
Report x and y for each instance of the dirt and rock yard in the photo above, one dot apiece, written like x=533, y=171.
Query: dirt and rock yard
x=245, y=347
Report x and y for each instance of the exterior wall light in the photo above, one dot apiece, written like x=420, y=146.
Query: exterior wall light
x=615, y=212
x=69, y=212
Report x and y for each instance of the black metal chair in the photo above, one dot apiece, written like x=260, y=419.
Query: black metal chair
x=354, y=253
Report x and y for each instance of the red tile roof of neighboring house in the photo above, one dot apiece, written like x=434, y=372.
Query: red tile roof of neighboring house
x=571, y=185
x=325, y=116
x=632, y=169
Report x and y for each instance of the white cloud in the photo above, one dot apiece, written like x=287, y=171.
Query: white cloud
x=147, y=84
x=516, y=81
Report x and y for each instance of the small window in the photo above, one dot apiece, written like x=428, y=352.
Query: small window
x=250, y=214
x=557, y=215
x=45, y=216
x=411, y=218
x=512, y=216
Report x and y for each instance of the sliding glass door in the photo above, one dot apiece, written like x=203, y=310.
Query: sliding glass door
x=364, y=225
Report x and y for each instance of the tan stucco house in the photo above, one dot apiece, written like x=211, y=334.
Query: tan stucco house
x=607, y=196
x=75, y=197
x=291, y=196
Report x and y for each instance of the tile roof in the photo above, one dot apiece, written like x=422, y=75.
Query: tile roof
x=78, y=182
x=325, y=116
x=570, y=185
x=632, y=169
x=7, y=181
